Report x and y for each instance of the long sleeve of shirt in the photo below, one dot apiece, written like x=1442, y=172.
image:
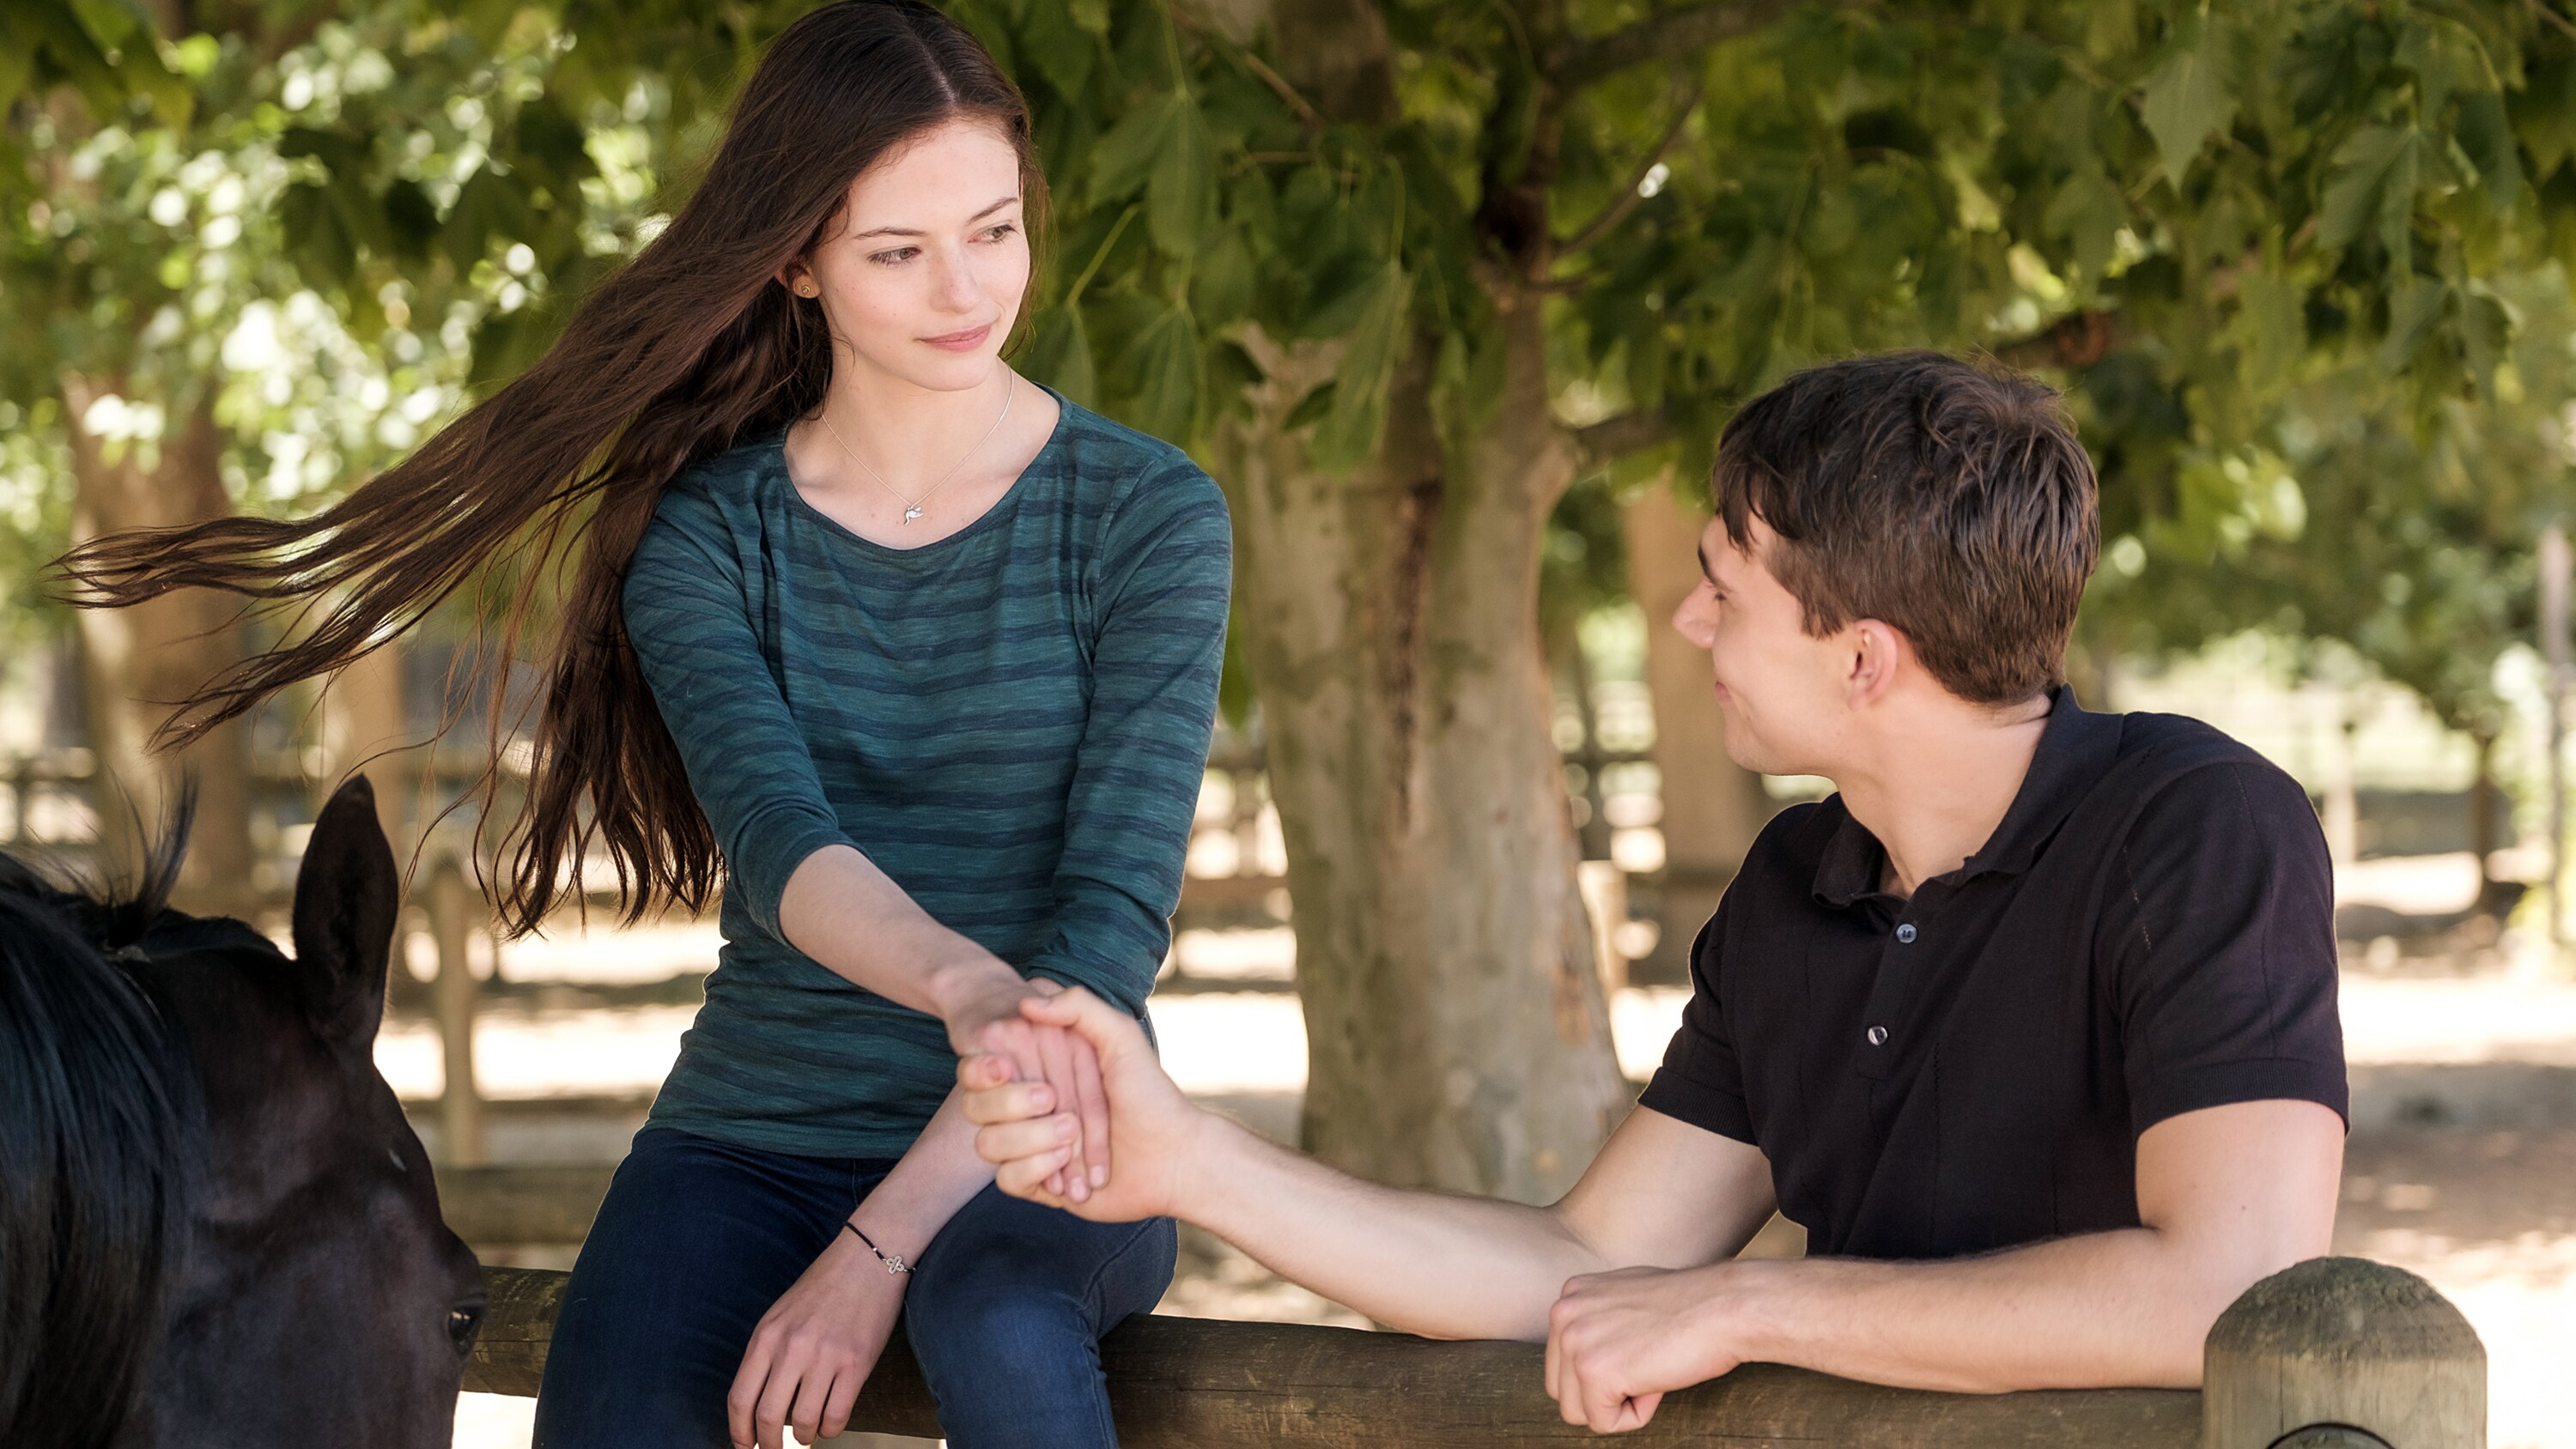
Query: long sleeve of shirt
x=1161, y=598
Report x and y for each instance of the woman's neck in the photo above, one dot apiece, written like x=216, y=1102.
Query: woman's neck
x=910, y=434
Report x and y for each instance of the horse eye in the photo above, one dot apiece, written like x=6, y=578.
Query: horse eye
x=462, y=1324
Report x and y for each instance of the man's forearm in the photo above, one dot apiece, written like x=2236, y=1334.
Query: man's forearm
x=2123, y=1307
x=1427, y=1263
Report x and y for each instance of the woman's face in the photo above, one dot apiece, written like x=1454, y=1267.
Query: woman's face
x=922, y=274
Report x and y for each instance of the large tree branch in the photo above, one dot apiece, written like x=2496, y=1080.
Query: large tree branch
x=1665, y=35
x=1626, y=201
x=1626, y=433
x=2076, y=340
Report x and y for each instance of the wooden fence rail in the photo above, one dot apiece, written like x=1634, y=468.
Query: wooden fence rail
x=2336, y=1353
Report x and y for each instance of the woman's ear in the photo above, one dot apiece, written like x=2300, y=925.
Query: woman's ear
x=795, y=278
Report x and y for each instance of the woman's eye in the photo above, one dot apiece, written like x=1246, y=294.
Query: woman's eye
x=897, y=255
x=1001, y=231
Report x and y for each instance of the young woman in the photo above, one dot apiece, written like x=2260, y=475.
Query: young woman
x=925, y=653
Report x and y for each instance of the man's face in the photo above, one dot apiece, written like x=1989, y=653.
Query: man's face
x=1780, y=690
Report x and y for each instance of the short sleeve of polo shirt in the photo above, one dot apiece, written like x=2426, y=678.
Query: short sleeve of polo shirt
x=2225, y=956
x=1701, y=1081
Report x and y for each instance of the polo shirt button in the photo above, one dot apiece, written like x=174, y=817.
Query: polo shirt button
x=1905, y=933
x=1878, y=1036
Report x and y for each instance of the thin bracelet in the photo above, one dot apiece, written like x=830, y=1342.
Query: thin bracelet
x=894, y=1261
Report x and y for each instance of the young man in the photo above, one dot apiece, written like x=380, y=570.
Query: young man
x=2032, y=1026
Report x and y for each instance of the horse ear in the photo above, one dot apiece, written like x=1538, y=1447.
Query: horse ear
x=346, y=897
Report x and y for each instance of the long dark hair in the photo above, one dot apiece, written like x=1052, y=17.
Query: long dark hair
x=688, y=348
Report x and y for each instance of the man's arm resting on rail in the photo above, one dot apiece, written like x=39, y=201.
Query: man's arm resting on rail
x=1661, y=1193
x=2228, y=1195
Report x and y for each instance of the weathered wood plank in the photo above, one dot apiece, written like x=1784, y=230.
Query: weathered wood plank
x=1181, y=1383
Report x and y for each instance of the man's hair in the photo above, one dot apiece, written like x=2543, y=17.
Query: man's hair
x=1948, y=501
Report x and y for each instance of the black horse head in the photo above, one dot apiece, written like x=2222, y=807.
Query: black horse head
x=216, y=1226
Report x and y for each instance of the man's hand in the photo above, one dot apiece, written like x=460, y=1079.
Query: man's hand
x=982, y=1013
x=1618, y=1342
x=1029, y=1136
x=814, y=1348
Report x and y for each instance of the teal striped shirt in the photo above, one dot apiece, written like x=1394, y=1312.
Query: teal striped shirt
x=1011, y=722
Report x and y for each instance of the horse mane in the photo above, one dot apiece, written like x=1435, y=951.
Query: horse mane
x=93, y=1174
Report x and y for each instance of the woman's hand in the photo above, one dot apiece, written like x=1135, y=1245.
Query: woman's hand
x=983, y=1016
x=814, y=1347
x=1029, y=1138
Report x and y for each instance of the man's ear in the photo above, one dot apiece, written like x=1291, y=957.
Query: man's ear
x=1878, y=655
x=346, y=896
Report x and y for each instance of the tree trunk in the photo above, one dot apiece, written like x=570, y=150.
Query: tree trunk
x=136, y=662
x=1713, y=807
x=1456, y=1032
x=2482, y=829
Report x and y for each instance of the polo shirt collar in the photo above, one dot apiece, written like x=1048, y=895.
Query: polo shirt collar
x=2075, y=748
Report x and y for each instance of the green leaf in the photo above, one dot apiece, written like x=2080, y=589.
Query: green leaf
x=339, y=154
x=1311, y=407
x=2487, y=137
x=1164, y=361
x=1344, y=286
x=316, y=233
x=2412, y=310
x=1126, y=155
x=489, y=204
x=2358, y=177
x=110, y=22
x=16, y=65
x=1061, y=52
x=1221, y=280
x=2186, y=100
x=2486, y=330
x=1351, y=424
x=486, y=21
x=62, y=39
x=1181, y=198
x=1059, y=355
x=2088, y=211
x=362, y=214
x=413, y=219
x=551, y=145
x=2270, y=330
x=1091, y=15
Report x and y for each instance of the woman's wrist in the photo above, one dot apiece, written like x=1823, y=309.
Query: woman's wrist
x=879, y=1244
x=954, y=985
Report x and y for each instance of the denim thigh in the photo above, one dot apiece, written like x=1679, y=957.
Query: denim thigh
x=696, y=1240
x=1005, y=1315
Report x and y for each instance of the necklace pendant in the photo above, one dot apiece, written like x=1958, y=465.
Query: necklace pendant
x=910, y=514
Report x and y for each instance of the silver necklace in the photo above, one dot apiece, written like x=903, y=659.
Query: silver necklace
x=912, y=506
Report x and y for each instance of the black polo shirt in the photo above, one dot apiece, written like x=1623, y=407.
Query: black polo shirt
x=2149, y=931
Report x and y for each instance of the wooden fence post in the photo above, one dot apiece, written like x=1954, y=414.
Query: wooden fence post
x=2343, y=1353
x=460, y=1105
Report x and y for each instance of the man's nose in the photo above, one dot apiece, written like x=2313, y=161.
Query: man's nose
x=1693, y=619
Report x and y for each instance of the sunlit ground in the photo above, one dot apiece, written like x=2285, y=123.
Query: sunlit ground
x=2456, y=1169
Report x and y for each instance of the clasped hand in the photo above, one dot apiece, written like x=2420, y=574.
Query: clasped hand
x=989, y=1025
x=1617, y=1341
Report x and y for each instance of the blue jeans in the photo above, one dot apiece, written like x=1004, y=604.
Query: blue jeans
x=698, y=1238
